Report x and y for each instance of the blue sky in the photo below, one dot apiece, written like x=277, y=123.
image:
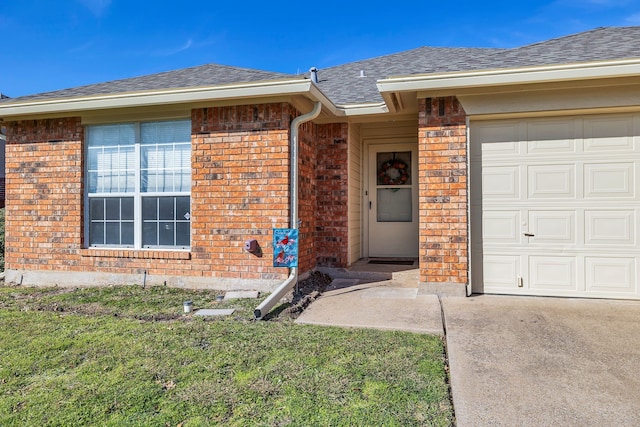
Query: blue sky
x=49, y=45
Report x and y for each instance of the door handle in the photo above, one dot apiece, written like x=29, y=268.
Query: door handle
x=529, y=235
x=369, y=205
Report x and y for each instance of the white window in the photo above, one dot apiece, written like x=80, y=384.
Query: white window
x=139, y=185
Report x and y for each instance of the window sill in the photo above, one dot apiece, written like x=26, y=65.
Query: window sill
x=135, y=253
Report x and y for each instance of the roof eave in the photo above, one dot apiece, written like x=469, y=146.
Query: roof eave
x=257, y=90
x=363, y=109
x=511, y=76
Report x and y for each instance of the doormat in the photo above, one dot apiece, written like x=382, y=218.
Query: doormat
x=391, y=261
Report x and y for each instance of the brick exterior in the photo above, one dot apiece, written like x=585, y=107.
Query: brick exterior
x=44, y=194
x=240, y=164
x=442, y=143
x=307, y=198
x=240, y=190
x=332, y=226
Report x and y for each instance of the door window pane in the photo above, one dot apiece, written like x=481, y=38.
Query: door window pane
x=394, y=205
x=393, y=168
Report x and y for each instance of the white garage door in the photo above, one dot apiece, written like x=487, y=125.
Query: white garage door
x=555, y=206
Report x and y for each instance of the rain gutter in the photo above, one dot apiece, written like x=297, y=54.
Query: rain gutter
x=280, y=292
x=254, y=90
x=511, y=76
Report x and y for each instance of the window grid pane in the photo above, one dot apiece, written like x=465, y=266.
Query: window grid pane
x=164, y=224
x=107, y=224
x=165, y=167
x=163, y=163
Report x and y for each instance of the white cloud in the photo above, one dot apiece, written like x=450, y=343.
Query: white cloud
x=633, y=19
x=97, y=7
x=169, y=52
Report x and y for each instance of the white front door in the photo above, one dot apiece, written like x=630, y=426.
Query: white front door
x=392, y=198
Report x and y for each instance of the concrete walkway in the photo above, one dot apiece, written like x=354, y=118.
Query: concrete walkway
x=514, y=361
x=386, y=304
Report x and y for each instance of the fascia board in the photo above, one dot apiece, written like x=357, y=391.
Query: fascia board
x=173, y=96
x=315, y=94
x=344, y=110
x=501, y=77
x=364, y=109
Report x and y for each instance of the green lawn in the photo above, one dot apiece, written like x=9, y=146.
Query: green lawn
x=128, y=356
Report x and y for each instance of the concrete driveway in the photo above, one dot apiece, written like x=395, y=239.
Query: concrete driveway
x=526, y=361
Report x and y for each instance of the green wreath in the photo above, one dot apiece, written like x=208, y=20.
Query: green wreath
x=393, y=172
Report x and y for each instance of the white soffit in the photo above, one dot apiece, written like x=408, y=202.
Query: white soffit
x=511, y=76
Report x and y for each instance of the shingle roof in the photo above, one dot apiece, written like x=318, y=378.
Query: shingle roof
x=600, y=44
x=203, y=75
x=344, y=85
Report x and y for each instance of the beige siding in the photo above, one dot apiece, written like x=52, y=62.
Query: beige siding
x=401, y=131
x=355, y=193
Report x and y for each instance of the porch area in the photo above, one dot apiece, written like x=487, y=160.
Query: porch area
x=379, y=293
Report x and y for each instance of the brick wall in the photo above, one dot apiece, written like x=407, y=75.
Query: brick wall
x=332, y=234
x=442, y=141
x=307, y=198
x=240, y=190
x=44, y=194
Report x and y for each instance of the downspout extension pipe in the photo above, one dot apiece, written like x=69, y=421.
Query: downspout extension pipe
x=266, y=305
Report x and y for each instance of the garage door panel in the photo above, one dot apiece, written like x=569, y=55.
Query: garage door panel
x=608, y=134
x=498, y=149
x=505, y=131
x=551, y=181
x=605, y=227
x=544, y=137
x=501, y=271
x=552, y=273
x=553, y=227
x=611, y=275
x=609, y=180
x=496, y=140
x=501, y=227
x=502, y=182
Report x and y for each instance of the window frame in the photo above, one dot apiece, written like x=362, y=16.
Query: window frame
x=138, y=195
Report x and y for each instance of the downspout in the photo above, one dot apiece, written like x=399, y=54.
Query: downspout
x=266, y=306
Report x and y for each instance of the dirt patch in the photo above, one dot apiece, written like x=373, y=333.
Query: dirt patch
x=302, y=295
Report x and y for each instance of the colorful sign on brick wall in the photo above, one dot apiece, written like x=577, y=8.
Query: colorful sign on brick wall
x=285, y=247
